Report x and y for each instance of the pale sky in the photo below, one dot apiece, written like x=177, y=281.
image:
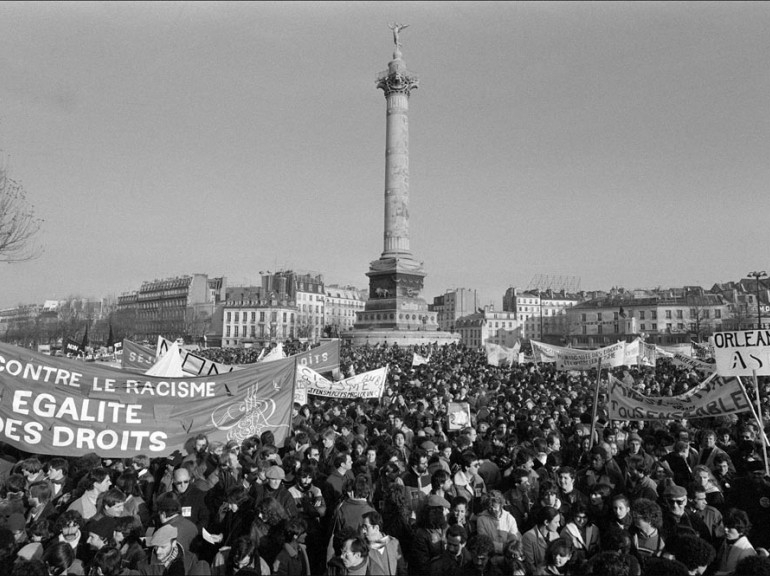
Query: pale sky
x=627, y=144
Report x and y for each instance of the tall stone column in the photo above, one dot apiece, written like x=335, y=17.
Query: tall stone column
x=397, y=82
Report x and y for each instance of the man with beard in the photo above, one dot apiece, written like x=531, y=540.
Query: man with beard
x=198, y=452
x=311, y=507
x=416, y=479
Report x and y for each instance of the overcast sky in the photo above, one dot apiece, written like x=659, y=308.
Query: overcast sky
x=627, y=144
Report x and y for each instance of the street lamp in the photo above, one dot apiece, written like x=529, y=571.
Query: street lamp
x=757, y=276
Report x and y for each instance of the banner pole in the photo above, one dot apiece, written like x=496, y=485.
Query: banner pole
x=746, y=395
x=596, y=402
x=759, y=421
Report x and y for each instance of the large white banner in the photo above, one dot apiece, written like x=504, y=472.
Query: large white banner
x=743, y=352
x=497, y=354
x=546, y=352
x=685, y=361
x=631, y=355
x=610, y=356
x=366, y=385
x=714, y=397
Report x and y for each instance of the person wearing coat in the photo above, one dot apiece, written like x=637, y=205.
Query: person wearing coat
x=534, y=542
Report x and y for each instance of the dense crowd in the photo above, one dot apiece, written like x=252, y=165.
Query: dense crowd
x=532, y=484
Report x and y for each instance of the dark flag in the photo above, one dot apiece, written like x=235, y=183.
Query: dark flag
x=84, y=343
x=622, y=312
x=110, y=339
x=71, y=347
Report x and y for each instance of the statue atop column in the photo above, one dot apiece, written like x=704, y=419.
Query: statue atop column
x=396, y=27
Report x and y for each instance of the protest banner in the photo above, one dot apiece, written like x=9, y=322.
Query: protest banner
x=545, y=352
x=136, y=357
x=497, y=353
x=365, y=385
x=610, y=356
x=418, y=360
x=742, y=353
x=631, y=354
x=71, y=347
x=52, y=406
x=713, y=397
x=684, y=361
x=459, y=415
x=306, y=378
x=648, y=354
x=323, y=358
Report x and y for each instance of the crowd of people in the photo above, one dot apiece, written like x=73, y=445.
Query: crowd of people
x=532, y=484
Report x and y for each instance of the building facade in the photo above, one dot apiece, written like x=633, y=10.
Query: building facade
x=491, y=326
x=341, y=305
x=541, y=315
x=453, y=305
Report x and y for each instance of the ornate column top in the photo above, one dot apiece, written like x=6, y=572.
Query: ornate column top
x=397, y=78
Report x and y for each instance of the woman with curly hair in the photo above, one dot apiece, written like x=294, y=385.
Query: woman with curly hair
x=430, y=535
x=269, y=514
x=396, y=514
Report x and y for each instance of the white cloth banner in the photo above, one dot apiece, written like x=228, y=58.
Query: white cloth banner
x=169, y=365
x=610, y=356
x=743, y=352
x=685, y=361
x=365, y=385
x=631, y=355
x=497, y=354
x=648, y=354
x=670, y=351
x=418, y=360
x=713, y=397
x=192, y=364
x=276, y=353
x=546, y=352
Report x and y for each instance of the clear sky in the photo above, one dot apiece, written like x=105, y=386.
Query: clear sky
x=624, y=143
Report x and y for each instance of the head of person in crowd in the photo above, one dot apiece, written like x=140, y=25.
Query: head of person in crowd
x=372, y=526
x=355, y=552
x=40, y=494
x=548, y=494
x=693, y=552
x=619, y=506
x=17, y=524
x=737, y=524
x=237, y=498
x=15, y=487
x=242, y=554
x=270, y=511
x=676, y=499
x=328, y=438
x=168, y=506
x=547, y=520
x=127, y=530
x=313, y=453
x=107, y=562
x=101, y=532
x=198, y=446
x=482, y=549
x=113, y=502
x=637, y=467
x=753, y=566
x=456, y=539
x=275, y=476
x=647, y=515
x=69, y=527
x=58, y=557
x=599, y=458
x=97, y=481
x=599, y=496
x=31, y=469
x=163, y=543
x=469, y=463
x=558, y=553
x=660, y=566
x=181, y=480
x=418, y=461
x=128, y=483
x=57, y=470
x=458, y=511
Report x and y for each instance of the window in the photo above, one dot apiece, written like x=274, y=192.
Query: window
x=261, y=316
x=227, y=331
x=228, y=316
x=599, y=316
x=717, y=313
x=668, y=314
x=679, y=314
x=615, y=316
x=654, y=326
x=599, y=329
x=641, y=316
x=583, y=317
x=680, y=326
x=653, y=315
x=235, y=333
x=707, y=314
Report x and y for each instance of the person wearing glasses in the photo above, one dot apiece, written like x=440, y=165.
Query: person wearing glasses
x=677, y=520
x=191, y=498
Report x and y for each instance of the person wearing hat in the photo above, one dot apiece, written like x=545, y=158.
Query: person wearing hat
x=634, y=447
x=274, y=488
x=101, y=533
x=677, y=519
x=168, y=557
x=311, y=507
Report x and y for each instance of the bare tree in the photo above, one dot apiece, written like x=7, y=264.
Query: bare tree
x=18, y=223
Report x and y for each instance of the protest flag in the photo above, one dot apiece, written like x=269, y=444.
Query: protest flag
x=84, y=343
x=110, y=339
